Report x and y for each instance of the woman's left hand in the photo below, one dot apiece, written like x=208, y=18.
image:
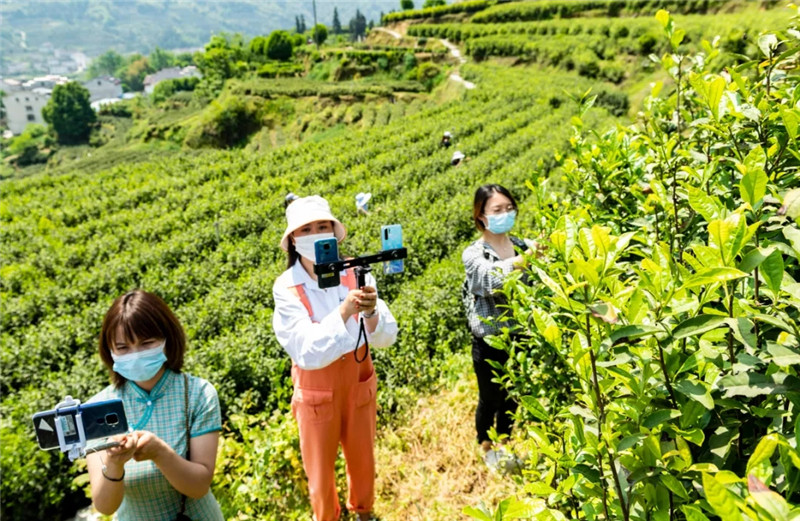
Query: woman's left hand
x=149, y=447
x=368, y=300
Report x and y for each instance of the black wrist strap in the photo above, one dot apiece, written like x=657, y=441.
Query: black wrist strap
x=362, y=331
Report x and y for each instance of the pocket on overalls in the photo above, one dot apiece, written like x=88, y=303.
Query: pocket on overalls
x=312, y=405
x=367, y=390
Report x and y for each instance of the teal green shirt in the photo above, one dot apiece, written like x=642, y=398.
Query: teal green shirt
x=148, y=494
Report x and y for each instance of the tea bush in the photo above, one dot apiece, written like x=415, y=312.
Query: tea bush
x=669, y=303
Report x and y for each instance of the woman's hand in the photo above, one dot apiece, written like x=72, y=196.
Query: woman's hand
x=368, y=299
x=119, y=455
x=363, y=299
x=150, y=447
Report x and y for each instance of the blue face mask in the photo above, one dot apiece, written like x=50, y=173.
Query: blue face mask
x=502, y=222
x=142, y=365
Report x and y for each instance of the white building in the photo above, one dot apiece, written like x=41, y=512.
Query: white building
x=24, y=107
x=170, y=73
x=103, y=88
x=47, y=82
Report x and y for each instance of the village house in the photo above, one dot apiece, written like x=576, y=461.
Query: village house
x=170, y=73
x=24, y=107
x=103, y=88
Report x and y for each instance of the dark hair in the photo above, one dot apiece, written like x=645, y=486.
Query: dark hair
x=483, y=194
x=293, y=256
x=142, y=315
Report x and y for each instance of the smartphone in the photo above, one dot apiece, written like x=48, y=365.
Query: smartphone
x=392, y=238
x=327, y=250
x=99, y=420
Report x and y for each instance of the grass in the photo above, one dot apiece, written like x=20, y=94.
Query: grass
x=425, y=476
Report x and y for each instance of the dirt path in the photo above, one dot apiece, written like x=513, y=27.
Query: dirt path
x=455, y=52
x=429, y=469
x=394, y=34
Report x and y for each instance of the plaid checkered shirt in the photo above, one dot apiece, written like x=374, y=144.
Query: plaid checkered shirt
x=148, y=494
x=485, y=275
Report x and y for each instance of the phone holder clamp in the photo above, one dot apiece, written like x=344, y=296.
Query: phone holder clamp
x=75, y=449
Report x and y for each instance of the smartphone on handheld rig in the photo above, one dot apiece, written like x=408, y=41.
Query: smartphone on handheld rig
x=392, y=238
x=325, y=251
x=97, y=420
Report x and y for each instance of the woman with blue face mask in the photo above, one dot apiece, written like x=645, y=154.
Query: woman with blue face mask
x=163, y=469
x=488, y=261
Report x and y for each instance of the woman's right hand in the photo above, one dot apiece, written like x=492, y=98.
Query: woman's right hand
x=350, y=305
x=119, y=455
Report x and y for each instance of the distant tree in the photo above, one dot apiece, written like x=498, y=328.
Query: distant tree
x=69, y=113
x=337, y=24
x=106, y=64
x=218, y=60
x=434, y=3
x=358, y=26
x=382, y=15
x=279, y=46
x=319, y=34
x=31, y=146
x=161, y=59
x=405, y=5
x=371, y=25
x=184, y=59
x=258, y=47
x=133, y=74
x=300, y=24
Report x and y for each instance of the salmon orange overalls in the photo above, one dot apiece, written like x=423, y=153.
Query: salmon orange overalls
x=332, y=405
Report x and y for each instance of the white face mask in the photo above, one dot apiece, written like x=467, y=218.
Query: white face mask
x=305, y=244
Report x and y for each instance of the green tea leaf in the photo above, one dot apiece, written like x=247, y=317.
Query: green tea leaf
x=753, y=186
x=588, y=472
x=663, y=17
x=720, y=499
x=715, y=90
x=696, y=391
x=673, y=484
x=783, y=356
x=474, y=513
x=712, y=275
x=791, y=120
x=693, y=513
x=697, y=326
x=659, y=417
x=677, y=37
x=763, y=451
x=772, y=270
x=767, y=43
x=757, y=384
x=754, y=259
x=630, y=441
x=703, y=204
x=533, y=406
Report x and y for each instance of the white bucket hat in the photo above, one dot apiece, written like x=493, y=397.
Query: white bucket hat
x=307, y=210
x=458, y=155
x=363, y=198
x=447, y=134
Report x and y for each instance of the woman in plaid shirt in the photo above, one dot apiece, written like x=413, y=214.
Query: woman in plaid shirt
x=147, y=476
x=487, y=262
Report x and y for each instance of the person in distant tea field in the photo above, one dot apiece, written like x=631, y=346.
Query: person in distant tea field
x=147, y=477
x=334, y=400
x=446, y=141
x=488, y=261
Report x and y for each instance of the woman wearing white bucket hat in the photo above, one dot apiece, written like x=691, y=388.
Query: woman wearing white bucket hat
x=334, y=395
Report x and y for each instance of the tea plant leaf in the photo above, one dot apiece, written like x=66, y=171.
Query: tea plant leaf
x=715, y=90
x=533, y=406
x=713, y=275
x=763, y=451
x=754, y=259
x=474, y=513
x=672, y=483
x=663, y=18
x=720, y=499
x=697, y=326
x=630, y=441
x=659, y=417
x=630, y=333
x=753, y=186
x=605, y=312
x=767, y=499
x=772, y=269
x=588, y=472
x=757, y=384
x=696, y=391
x=767, y=43
x=791, y=121
x=703, y=204
x=693, y=513
x=783, y=356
